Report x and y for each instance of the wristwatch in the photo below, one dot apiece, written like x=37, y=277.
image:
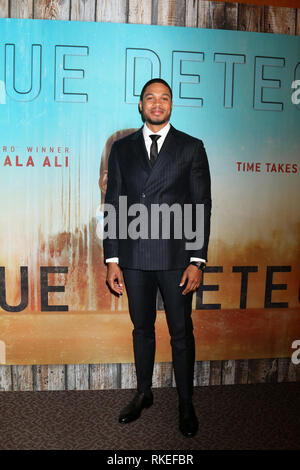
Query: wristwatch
x=199, y=265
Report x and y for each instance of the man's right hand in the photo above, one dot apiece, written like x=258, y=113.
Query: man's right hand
x=114, y=278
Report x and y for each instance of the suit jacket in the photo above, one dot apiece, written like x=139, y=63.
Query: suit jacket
x=180, y=175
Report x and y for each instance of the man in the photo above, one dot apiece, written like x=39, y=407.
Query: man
x=158, y=165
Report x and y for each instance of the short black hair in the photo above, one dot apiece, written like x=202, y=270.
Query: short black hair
x=155, y=80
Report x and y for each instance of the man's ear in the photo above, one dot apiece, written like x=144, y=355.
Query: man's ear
x=103, y=181
x=140, y=106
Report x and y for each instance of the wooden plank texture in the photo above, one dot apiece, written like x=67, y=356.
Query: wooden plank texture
x=279, y=20
x=77, y=377
x=4, y=9
x=241, y=371
x=105, y=376
x=57, y=377
x=211, y=15
x=162, y=374
x=215, y=377
x=83, y=10
x=228, y=372
x=231, y=16
x=293, y=372
x=202, y=373
x=262, y=370
x=191, y=13
x=128, y=377
x=251, y=18
x=170, y=12
x=21, y=9
x=112, y=11
x=22, y=378
x=40, y=377
x=274, y=3
x=217, y=15
x=140, y=11
x=5, y=379
x=51, y=9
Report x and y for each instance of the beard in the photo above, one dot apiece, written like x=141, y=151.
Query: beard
x=155, y=122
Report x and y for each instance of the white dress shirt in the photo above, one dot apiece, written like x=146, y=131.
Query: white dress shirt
x=148, y=141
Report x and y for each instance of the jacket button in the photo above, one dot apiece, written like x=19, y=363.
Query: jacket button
x=143, y=195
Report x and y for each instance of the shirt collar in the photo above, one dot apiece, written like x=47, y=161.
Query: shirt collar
x=162, y=132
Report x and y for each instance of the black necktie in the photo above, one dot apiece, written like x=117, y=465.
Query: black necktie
x=153, y=148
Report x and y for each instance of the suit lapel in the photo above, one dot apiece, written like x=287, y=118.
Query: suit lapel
x=166, y=156
x=140, y=151
x=167, y=152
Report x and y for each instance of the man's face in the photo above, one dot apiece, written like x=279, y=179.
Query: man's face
x=156, y=106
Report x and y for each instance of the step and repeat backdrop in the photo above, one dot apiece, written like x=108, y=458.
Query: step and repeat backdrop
x=68, y=90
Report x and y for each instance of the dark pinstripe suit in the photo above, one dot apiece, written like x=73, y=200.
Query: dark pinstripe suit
x=180, y=175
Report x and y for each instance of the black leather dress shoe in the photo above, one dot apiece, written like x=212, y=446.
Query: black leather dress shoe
x=188, y=422
x=133, y=410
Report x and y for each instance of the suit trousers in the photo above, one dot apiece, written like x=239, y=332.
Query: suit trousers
x=141, y=287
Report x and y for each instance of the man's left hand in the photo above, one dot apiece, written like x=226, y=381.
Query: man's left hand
x=194, y=276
